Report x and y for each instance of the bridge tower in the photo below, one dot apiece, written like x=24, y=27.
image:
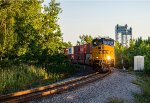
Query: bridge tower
x=123, y=34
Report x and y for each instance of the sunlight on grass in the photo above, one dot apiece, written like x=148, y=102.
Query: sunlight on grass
x=15, y=77
x=22, y=77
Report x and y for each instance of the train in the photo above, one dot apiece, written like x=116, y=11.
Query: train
x=99, y=54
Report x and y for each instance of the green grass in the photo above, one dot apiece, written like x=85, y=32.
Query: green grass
x=144, y=82
x=116, y=100
x=22, y=77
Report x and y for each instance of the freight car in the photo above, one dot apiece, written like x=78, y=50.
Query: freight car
x=99, y=54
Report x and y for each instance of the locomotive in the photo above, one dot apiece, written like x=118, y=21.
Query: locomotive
x=103, y=56
x=99, y=54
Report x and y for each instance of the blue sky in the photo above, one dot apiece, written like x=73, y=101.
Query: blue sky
x=99, y=17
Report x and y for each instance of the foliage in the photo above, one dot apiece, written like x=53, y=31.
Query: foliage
x=28, y=30
x=17, y=78
x=30, y=35
x=126, y=54
x=144, y=83
x=51, y=33
x=67, y=44
x=84, y=39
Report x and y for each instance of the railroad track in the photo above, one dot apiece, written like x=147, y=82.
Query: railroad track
x=32, y=94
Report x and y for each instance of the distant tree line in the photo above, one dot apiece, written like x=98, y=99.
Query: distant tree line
x=137, y=47
x=29, y=31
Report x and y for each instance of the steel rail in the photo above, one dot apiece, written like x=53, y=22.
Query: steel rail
x=31, y=94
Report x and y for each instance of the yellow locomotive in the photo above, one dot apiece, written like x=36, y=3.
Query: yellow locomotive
x=99, y=54
x=103, y=54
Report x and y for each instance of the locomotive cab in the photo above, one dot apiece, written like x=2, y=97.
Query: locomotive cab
x=103, y=54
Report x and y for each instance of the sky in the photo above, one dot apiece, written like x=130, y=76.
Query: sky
x=99, y=17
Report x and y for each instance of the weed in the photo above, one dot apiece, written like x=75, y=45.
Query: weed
x=144, y=82
x=115, y=100
x=17, y=78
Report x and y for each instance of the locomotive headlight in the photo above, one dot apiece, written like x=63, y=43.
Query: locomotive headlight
x=97, y=57
x=108, y=57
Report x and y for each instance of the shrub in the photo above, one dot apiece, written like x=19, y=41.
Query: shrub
x=147, y=67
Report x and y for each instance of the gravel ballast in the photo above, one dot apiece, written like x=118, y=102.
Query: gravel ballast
x=117, y=85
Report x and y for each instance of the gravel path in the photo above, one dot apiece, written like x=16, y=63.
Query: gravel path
x=118, y=85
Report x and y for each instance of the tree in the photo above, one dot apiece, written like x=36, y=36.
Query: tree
x=119, y=50
x=67, y=44
x=28, y=26
x=137, y=47
x=7, y=21
x=84, y=39
x=28, y=30
x=52, y=36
